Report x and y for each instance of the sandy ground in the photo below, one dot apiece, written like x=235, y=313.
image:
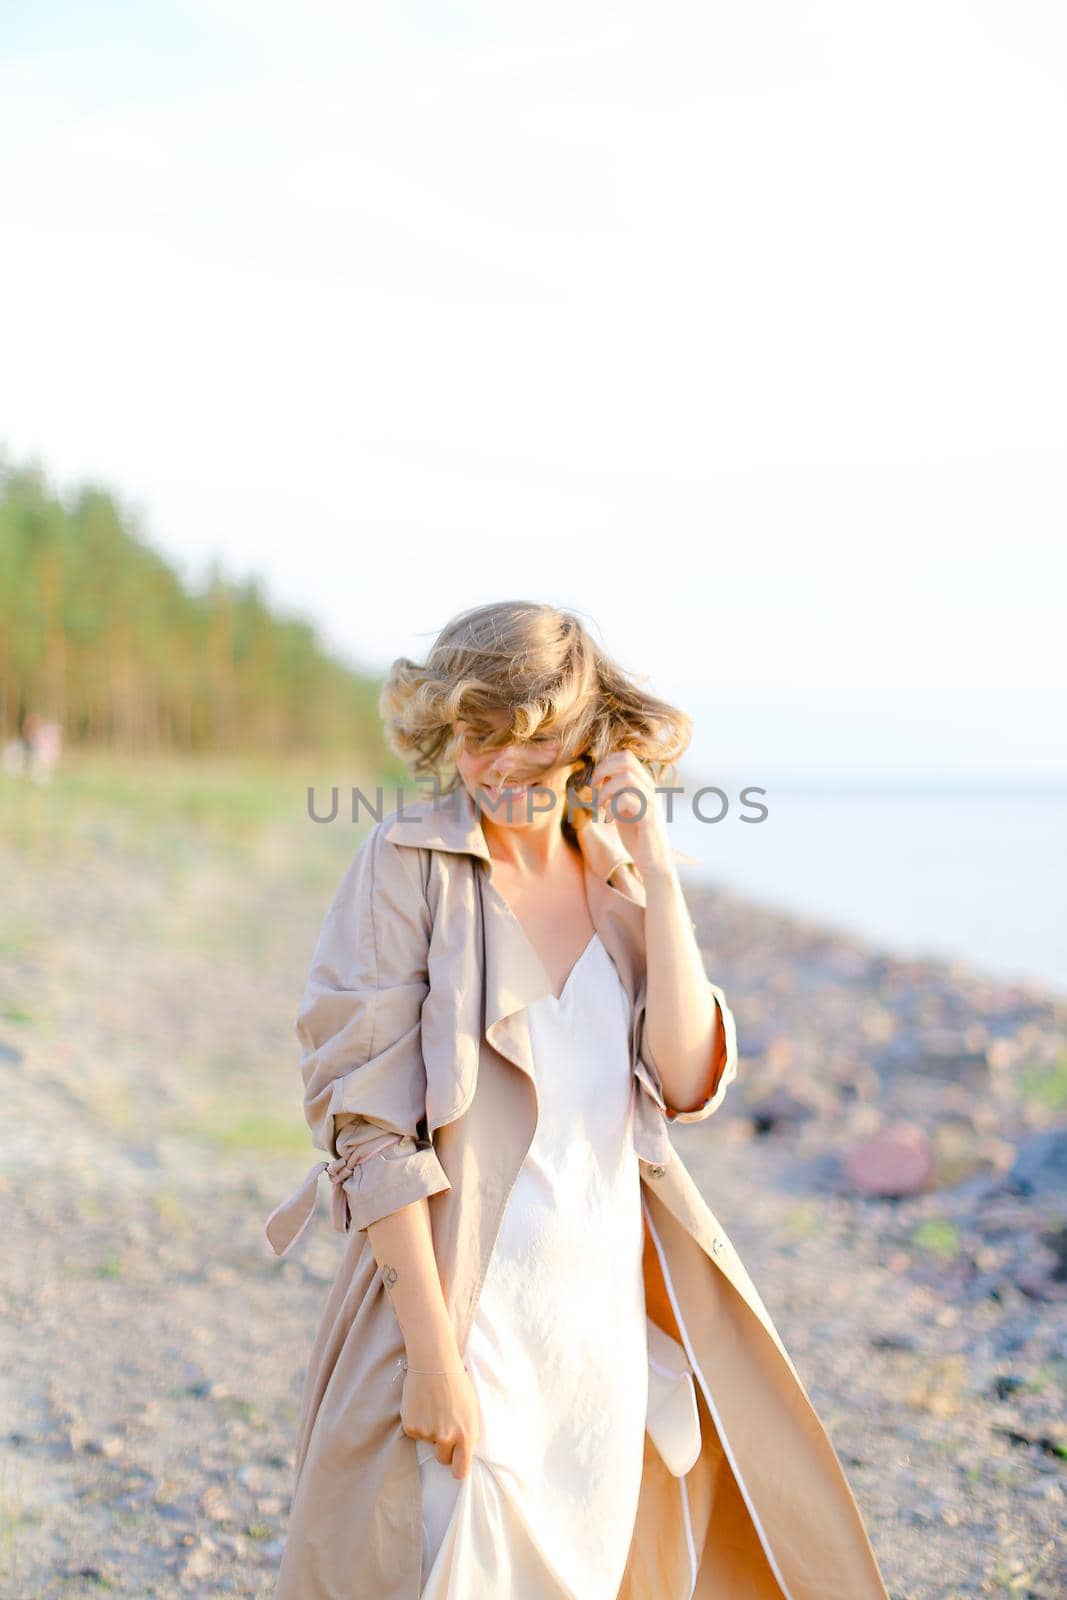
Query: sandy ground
x=154, y=1348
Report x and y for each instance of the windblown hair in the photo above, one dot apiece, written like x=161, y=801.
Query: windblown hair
x=542, y=669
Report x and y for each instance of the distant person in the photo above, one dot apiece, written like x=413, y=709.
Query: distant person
x=35, y=751
x=46, y=750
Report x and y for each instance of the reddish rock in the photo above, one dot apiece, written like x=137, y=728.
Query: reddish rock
x=898, y=1161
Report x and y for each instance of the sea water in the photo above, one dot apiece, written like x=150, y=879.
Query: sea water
x=971, y=874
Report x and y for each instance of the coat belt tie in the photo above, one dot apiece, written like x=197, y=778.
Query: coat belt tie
x=287, y=1221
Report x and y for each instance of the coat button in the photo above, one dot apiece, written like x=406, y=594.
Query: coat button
x=656, y=1172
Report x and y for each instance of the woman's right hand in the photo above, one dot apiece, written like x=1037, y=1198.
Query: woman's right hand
x=443, y=1407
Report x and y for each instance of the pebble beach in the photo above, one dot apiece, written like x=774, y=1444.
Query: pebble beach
x=891, y=1165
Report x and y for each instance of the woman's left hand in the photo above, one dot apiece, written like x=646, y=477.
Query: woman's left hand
x=625, y=795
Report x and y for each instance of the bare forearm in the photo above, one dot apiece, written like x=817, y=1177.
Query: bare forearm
x=682, y=1023
x=402, y=1243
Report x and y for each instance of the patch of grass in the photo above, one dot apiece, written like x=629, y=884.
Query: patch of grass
x=168, y=808
x=1046, y=1083
x=938, y=1236
x=110, y=1267
x=90, y=1207
x=125, y=1518
x=109, y=1102
x=233, y=795
x=259, y=1131
x=239, y=1410
x=1049, y=1375
x=171, y=1210
x=12, y=1515
x=13, y=1012
x=18, y=938
x=805, y=1220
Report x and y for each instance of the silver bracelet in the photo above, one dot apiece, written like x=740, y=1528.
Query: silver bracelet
x=420, y=1372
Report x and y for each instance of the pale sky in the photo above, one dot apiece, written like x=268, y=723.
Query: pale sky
x=738, y=327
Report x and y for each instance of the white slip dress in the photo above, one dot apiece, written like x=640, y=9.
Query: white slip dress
x=558, y=1350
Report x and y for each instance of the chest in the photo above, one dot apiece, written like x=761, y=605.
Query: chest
x=552, y=912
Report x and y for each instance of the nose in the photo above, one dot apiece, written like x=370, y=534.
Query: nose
x=508, y=761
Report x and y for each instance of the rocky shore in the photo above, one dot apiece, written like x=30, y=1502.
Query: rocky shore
x=891, y=1164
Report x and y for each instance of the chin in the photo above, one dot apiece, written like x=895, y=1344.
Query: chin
x=495, y=806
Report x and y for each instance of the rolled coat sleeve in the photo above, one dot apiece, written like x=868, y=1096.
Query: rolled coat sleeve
x=359, y=1025
x=647, y=1066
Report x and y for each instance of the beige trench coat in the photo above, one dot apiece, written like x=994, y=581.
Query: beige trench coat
x=413, y=1022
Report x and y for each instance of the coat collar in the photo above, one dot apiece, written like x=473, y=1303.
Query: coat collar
x=452, y=822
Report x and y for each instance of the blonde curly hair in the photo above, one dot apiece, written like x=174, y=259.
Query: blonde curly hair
x=540, y=666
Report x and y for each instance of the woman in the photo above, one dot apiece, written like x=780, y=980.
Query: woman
x=542, y=1371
